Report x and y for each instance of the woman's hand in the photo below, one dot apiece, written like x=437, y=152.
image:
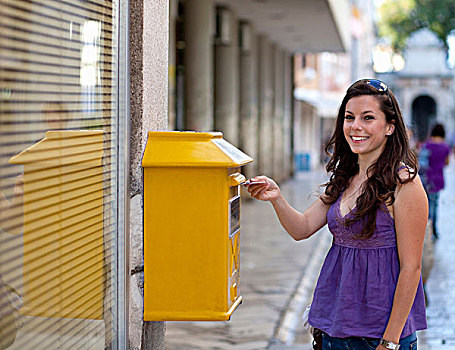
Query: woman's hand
x=267, y=191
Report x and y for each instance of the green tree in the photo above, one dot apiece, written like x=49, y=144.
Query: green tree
x=399, y=18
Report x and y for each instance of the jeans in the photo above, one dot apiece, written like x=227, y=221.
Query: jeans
x=433, y=199
x=360, y=343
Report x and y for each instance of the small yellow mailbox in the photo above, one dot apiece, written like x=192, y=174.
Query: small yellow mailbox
x=191, y=226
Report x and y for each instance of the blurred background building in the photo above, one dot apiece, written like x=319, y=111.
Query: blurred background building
x=321, y=80
x=425, y=85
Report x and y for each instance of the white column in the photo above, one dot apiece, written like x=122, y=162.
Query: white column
x=287, y=112
x=249, y=132
x=278, y=115
x=199, y=24
x=298, y=130
x=227, y=76
x=265, y=99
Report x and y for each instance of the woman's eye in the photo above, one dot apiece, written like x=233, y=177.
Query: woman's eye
x=348, y=116
x=369, y=117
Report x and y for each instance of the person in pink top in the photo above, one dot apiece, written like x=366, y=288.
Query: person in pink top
x=369, y=293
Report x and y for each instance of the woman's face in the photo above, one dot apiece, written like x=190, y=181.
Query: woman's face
x=365, y=127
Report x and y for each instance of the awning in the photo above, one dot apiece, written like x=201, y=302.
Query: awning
x=298, y=25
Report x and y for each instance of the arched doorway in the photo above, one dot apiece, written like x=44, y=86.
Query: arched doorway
x=423, y=115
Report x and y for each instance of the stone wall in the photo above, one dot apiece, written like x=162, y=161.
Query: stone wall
x=149, y=35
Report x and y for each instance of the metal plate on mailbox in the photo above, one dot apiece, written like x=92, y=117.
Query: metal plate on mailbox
x=234, y=153
x=234, y=215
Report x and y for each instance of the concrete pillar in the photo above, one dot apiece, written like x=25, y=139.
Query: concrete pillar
x=310, y=134
x=308, y=118
x=265, y=99
x=227, y=76
x=309, y=139
x=307, y=132
x=287, y=114
x=278, y=115
x=249, y=97
x=297, y=126
x=317, y=140
x=199, y=24
x=149, y=35
x=173, y=4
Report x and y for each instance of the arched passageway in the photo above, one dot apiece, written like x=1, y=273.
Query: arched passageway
x=423, y=115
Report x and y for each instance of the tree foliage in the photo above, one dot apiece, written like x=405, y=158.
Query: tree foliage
x=399, y=18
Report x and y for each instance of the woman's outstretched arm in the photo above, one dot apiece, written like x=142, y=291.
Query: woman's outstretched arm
x=298, y=225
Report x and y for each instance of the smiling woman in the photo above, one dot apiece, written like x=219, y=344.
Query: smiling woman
x=369, y=293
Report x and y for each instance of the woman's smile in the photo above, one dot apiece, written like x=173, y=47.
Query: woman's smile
x=358, y=139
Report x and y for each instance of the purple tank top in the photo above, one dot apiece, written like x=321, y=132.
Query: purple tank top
x=355, y=289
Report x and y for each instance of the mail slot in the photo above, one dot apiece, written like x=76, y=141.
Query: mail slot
x=191, y=226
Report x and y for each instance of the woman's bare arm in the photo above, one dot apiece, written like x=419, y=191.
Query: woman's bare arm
x=298, y=225
x=411, y=213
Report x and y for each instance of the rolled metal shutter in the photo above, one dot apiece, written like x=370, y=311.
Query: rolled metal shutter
x=58, y=85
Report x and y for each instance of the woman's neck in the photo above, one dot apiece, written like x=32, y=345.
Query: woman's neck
x=436, y=139
x=364, y=163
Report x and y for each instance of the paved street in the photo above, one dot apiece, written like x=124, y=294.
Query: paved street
x=278, y=276
x=441, y=284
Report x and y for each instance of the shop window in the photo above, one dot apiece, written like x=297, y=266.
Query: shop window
x=58, y=174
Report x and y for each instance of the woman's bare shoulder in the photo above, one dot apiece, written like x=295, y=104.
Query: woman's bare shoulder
x=411, y=182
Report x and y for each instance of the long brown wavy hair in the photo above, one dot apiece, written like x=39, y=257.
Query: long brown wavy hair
x=383, y=176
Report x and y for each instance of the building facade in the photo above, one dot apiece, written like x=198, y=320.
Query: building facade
x=81, y=85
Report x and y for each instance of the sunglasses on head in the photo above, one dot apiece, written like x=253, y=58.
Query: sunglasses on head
x=380, y=86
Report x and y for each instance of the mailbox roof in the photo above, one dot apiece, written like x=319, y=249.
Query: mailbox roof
x=63, y=147
x=189, y=148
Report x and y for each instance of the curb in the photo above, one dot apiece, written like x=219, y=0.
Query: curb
x=291, y=319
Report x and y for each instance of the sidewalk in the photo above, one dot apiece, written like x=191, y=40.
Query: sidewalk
x=272, y=266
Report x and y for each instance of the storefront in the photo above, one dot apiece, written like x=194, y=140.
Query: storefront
x=63, y=174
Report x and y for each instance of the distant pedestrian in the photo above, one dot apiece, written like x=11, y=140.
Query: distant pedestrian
x=369, y=293
x=433, y=157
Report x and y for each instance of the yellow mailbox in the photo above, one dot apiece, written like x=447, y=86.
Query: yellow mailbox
x=63, y=225
x=191, y=226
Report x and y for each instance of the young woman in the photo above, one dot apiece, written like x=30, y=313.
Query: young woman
x=369, y=293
